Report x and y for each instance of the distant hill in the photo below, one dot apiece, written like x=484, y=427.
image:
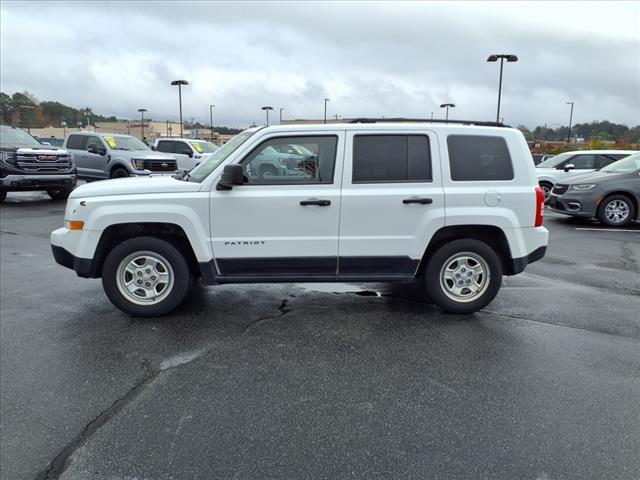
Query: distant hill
x=22, y=109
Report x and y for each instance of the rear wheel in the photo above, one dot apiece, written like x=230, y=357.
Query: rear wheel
x=463, y=276
x=62, y=194
x=616, y=211
x=268, y=171
x=146, y=277
x=119, y=172
x=546, y=188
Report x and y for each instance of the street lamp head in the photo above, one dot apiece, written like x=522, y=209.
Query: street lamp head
x=142, y=109
x=506, y=56
x=267, y=108
x=569, y=103
x=179, y=82
x=444, y=105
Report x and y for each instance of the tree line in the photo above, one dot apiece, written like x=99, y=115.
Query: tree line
x=603, y=131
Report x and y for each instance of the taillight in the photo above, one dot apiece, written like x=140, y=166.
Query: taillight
x=539, y=207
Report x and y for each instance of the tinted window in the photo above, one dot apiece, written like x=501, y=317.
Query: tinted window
x=474, y=157
x=266, y=164
x=583, y=162
x=77, y=142
x=166, y=146
x=609, y=158
x=391, y=158
x=95, y=141
x=183, y=148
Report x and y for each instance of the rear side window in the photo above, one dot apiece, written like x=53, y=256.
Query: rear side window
x=478, y=158
x=166, y=146
x=391, y=158
x=77, y=142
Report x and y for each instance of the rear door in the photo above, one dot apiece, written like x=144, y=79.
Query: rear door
x=392, y=201
x=283, y=225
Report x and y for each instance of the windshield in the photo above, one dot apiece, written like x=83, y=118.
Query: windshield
x=124, y=143
x=16, y=137
x=627, y=164
x=204, y=147
x=203, y=170
x=555, y=161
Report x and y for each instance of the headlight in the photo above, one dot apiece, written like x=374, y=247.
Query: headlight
x=8, y=157
x=137, y=164
x=584, y=186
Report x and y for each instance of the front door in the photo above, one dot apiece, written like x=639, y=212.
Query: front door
x=392, y=202
x=96, y=164
x=281, y=223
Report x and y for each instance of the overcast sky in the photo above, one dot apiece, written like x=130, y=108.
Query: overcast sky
x=369, y=58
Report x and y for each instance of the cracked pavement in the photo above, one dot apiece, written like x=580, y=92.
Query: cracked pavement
x=321, y=381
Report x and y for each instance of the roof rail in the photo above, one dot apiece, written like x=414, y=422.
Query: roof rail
x=426, y=120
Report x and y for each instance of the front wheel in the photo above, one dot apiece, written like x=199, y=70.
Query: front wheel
x=119, y=172
x=463, y=276
x=616, y=211
x=61, y=194
x=146, y=277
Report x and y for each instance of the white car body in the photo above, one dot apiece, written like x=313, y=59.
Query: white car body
x=188, y=152
x=369, y=230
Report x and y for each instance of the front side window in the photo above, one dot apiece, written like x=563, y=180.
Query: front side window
x=271, y=164
x=183, y=149
x=479, y=158
x=166, y=146
x=583, y=162
x=77, y=142
x=391, y=158
x=95, y=142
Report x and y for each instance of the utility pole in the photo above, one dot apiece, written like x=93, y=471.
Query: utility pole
x=211, y=120
x=325, y=109
x=570, y=119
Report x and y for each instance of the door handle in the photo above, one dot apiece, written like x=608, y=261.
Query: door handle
x=313, y=201
x=421, y=201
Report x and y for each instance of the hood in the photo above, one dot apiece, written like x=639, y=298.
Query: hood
x=142, y=154
x=33, y=149
x=592, y=177
x=134, y=186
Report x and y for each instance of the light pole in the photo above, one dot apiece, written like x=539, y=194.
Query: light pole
x=281, y=110
x=179, y=83
x=570, y=119
x=142, y=110
x=502, y=57
x=431, y=115
x=266, y=109
x=63, y=124
x=79, y=125
x=211, y=120
x=325, y=109
x=447, y=106
x=87, y=114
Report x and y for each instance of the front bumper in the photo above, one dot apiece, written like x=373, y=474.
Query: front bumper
x=84, y=267
x=574, y=204
x=37, y=182
x=76, y=250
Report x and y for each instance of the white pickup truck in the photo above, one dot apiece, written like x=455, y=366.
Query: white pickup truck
x=455, y=206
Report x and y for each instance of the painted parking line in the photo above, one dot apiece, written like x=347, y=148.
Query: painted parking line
x=607, y=230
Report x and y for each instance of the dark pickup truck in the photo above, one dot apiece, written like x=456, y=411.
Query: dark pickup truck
x=28, y=165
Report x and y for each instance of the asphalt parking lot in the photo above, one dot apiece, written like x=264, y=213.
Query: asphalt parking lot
x=294, y=381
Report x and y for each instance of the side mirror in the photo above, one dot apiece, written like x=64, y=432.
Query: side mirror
x=569, y=166
x=153, y=147
x=92, y=149
x=231, y=175
x=190, y=153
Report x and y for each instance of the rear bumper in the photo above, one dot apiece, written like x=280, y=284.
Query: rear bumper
x=15, y=182
x=519, y=264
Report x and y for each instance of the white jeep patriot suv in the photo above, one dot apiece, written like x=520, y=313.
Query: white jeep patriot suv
x=455, y=206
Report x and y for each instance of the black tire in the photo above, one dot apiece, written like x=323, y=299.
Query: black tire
x=546, y=188
x=119, y=172
x=62, y=194
x=609, y=218
x=178, y=267
x=443, y=256
x=3, y=195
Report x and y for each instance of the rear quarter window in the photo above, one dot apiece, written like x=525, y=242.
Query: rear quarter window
x=479, y=158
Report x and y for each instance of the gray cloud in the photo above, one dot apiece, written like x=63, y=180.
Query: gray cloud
x=391, y=59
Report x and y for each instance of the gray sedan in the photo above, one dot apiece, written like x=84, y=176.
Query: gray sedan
x=611, y=194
